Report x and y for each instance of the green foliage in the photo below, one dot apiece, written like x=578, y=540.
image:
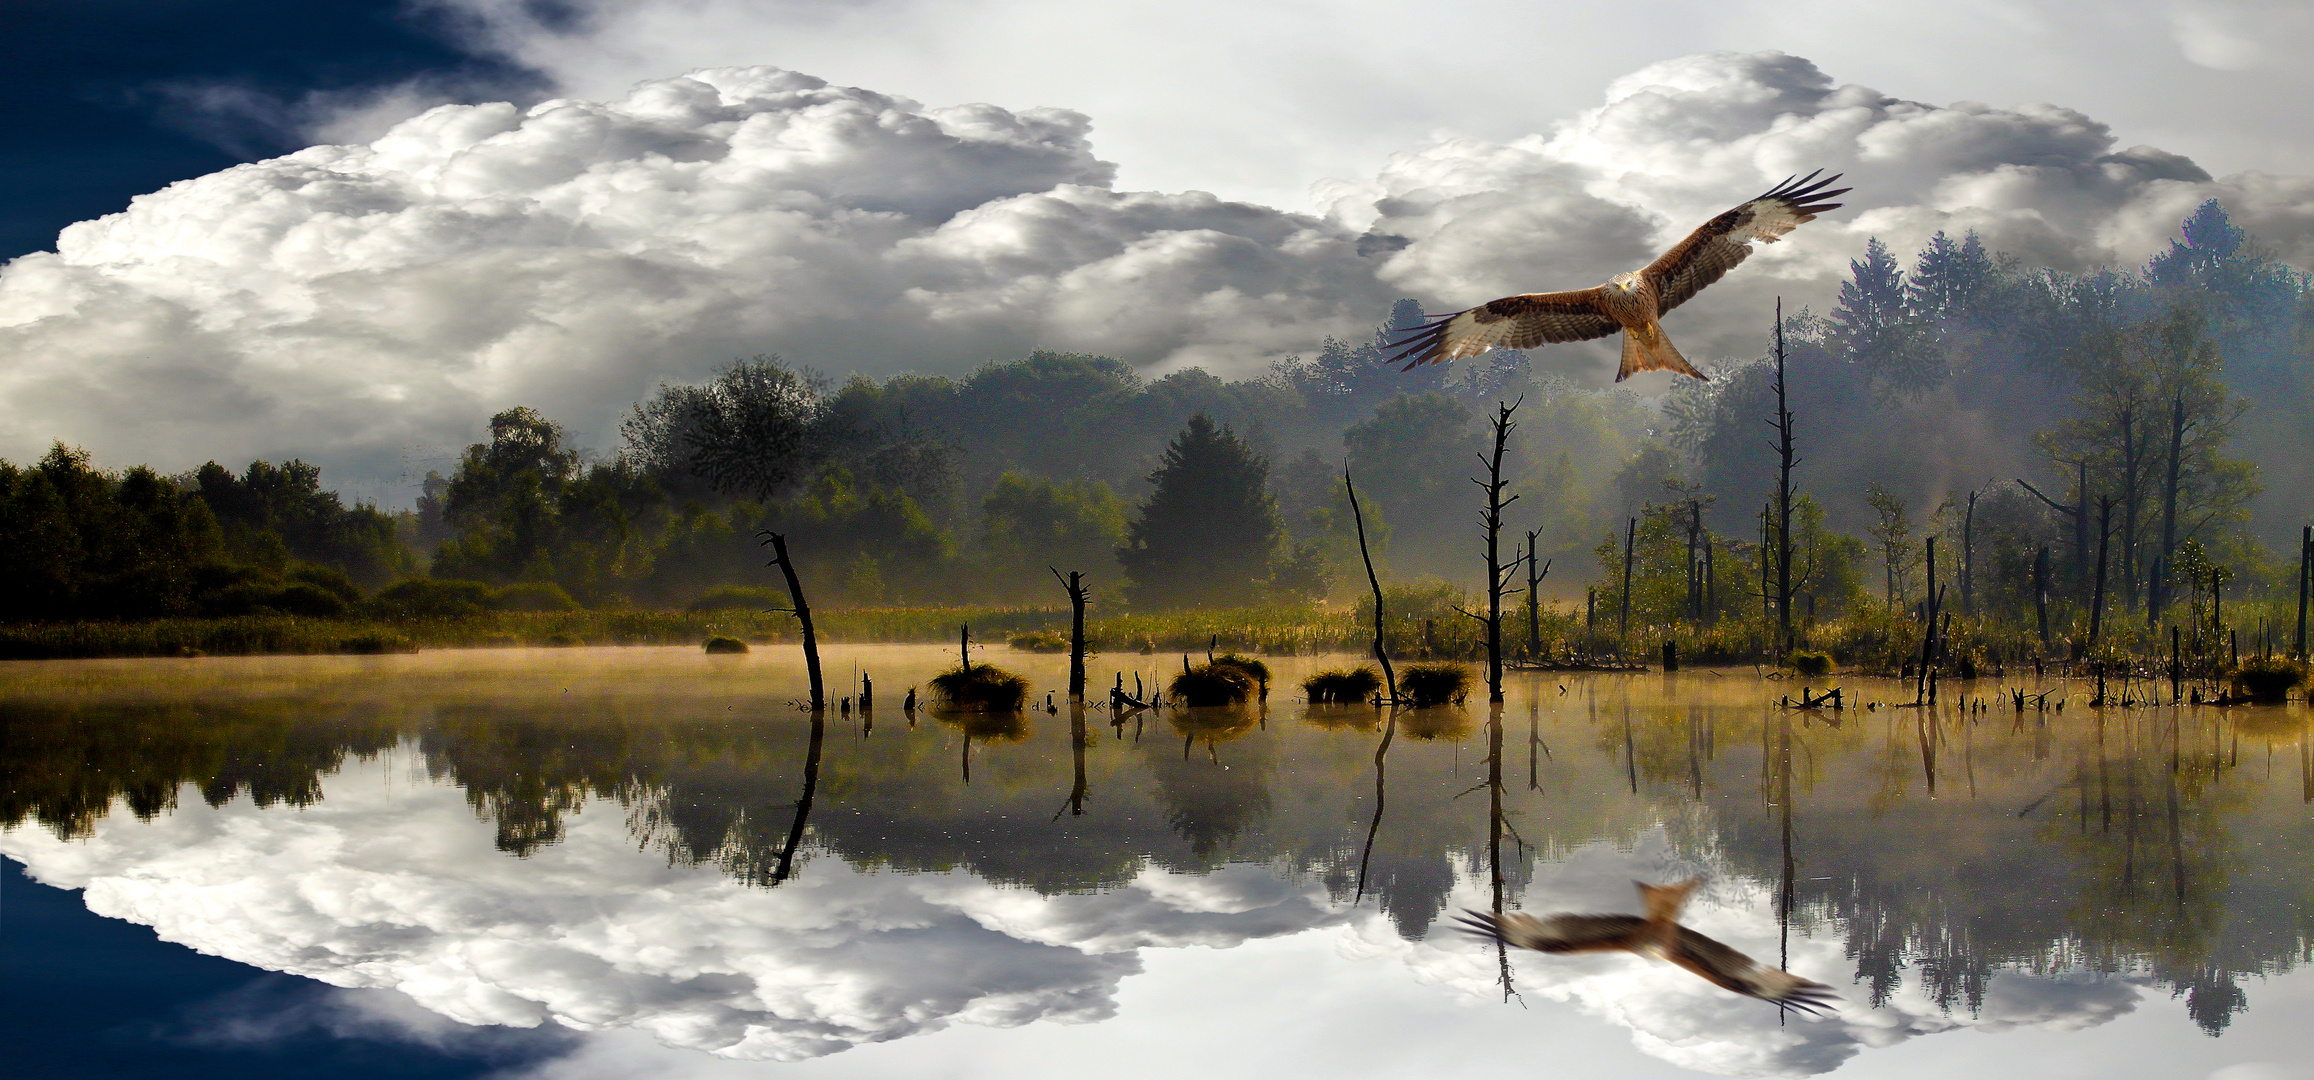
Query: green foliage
x=739, y=598
x=272, y=514
x=1209, y=532
x=1212, y=684
x=532, y=596
x=981, y=686
x=1435, y=684
x=76, y=542
x=430, y=598
x=1809, y=662
x=1030, y=526
x=1411, y=459
x=1337, y=686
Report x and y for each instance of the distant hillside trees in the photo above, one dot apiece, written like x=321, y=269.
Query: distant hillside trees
x=1208, y=536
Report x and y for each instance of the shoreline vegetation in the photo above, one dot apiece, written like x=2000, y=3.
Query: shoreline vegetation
x=1866, y=643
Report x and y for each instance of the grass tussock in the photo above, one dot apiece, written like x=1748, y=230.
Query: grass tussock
x=1253, y=668
x=981, y=686
x=1212, y=684
x=1435, y=684
x=722, y=644
x=1342, y=687
x=2268, y=678
x=1809, y=662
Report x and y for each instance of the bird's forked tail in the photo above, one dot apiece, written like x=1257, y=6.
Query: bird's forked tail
x=1663, y=905
x=1648, y=348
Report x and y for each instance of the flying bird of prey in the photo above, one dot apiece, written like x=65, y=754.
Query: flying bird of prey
x=1631, y=301
x=1658, y=934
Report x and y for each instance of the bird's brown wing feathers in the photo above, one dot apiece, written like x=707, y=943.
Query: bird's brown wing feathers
x=1556, y=933
x=1513, y=322
x=1713, y=250
x=1731, y=970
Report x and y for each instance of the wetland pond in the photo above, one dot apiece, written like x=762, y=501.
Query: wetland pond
x=637, y=862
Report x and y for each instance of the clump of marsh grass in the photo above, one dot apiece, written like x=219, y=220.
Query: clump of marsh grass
x=981, y=686
x=722, y=644
x=1212, y=684
x=1253, y=668
x=1809, y=662
x=1435, y=684
x=1340, y=687
x=376, y=642
x=2269, y=678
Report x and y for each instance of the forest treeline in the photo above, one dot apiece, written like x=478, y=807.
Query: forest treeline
x=2038, y=424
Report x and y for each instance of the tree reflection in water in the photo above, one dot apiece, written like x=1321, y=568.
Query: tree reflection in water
x=1939, y=845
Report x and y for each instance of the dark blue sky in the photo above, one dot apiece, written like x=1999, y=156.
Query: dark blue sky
x=91, y=118
x=84, y=997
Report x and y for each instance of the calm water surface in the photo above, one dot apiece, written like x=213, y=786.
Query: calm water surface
x=656, y=854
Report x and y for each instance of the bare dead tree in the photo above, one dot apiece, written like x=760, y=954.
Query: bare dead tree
x=2097, y=594
x=1497, y=575
x=1079, y=592
x=1785, y=461
x=802, y=612
x=1623, y=623
x=1381, y=654
x=1534, y=599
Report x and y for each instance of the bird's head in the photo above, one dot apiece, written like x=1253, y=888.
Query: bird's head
x=1627, y=281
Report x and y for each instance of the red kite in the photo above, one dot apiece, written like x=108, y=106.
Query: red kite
x=1631, y=301
x=1657, y=935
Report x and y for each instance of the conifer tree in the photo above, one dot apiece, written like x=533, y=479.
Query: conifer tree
x=1208, y=534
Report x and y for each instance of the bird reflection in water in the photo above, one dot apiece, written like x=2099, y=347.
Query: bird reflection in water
x=1658, y=935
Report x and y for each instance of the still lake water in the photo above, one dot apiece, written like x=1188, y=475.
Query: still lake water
x=652, y=854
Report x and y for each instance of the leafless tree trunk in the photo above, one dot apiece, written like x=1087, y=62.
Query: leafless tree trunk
x=1534, y=599
x=803, y=615
x=1496, y=573
x=2097, y=592
x=1078, y=594
x=1623, y=623
x=1381, y=653
x=1783, y=425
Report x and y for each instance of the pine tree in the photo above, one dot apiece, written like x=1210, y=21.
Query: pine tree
x=1950, y=279
x=1872, y=324
x=1209, y=532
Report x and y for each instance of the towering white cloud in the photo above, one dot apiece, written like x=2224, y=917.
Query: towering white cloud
x=349, y=303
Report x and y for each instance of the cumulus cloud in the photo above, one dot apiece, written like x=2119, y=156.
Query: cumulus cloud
x=347, y=303
x=374, y=889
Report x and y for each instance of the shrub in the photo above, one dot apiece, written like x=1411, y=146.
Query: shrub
x=729, y=597
x=1046, y=641
x=2268, y=678
x=1212, y=684
x=981, y=686
x=721, y=644
x=431, y=598
x=329, y=579
x=533, y=596
x=1340, y=687
x=1435, y=684
x=306, y=598
x=1810, y=662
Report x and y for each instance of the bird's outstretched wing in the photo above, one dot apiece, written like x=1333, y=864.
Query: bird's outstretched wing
x=1731, y=970
x=1711, y=251
x=1513, y=322
x=1555, y=933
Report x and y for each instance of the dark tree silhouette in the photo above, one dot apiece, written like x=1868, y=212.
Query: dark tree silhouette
x=1209, y=532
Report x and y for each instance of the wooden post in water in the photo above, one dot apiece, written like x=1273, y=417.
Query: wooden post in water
x=802, y=612
x=964, y=647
